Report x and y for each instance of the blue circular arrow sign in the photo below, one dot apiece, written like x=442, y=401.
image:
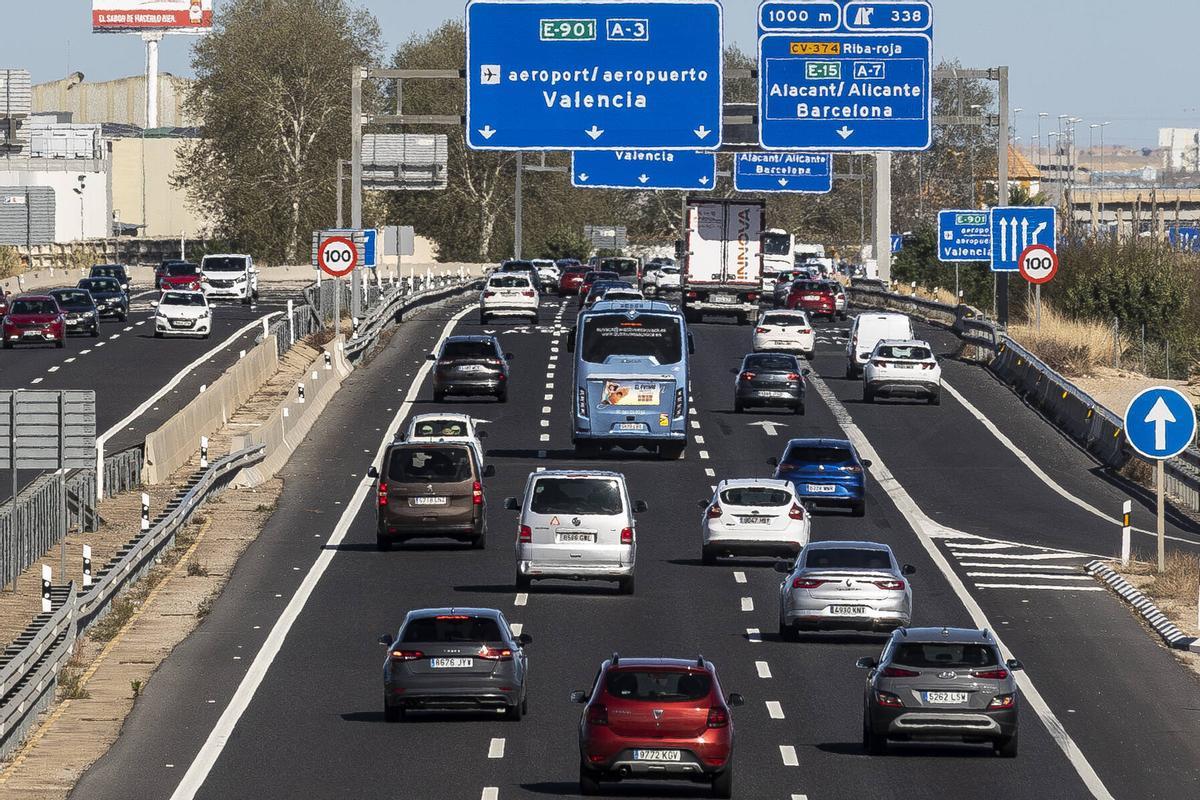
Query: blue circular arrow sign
x=1160, y=422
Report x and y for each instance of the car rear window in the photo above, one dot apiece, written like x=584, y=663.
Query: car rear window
x=451, y=628
x=602, y=276
x=847, y=558
x=810, y=286
x=804, y=456
x=902, y=352
x=100, y=284
x=516, y=266
x=576, y=496
x=785, y=320
x=430, y=465
x=948, y=655
x=469, y=350
x=177, y=270
x=756, y=496
x=659, y=686
x=509, y=281
x=440, y=427
x=773, y=363
x=73, y=297
x=111, y=272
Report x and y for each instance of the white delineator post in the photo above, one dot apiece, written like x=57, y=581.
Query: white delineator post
x=87, y=565
x=145, y=511
x=203, y=452
x=46, y=577
x=1126, y=512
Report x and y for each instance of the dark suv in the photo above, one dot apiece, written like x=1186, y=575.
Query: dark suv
x=117, y=271
x=430, y=490
x=470, y=365
x=80, y=311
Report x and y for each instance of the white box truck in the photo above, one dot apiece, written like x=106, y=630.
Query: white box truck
x=723, y=259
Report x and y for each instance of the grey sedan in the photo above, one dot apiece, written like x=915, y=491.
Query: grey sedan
x=455, y=658
x=844, y=586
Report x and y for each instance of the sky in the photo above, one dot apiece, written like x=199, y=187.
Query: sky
x=1131, y=64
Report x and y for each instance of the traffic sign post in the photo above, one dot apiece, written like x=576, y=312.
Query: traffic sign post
x=1039, y=264
x=594, y=75
x=1014, y=228
x=681, y=170
x=806, y=173
x=1160, y=423
x=337, y=256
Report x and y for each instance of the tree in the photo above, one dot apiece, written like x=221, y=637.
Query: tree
x=275, y=111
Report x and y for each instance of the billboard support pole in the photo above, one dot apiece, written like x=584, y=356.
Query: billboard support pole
x=151, y=38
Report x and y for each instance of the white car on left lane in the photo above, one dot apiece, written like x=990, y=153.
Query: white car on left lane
x=182, y=314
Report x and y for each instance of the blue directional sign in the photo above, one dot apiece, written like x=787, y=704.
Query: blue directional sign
x=1184, y=237
x=594, y=75
x=1016, y=227
x=1160, y=422
x=808, y=173
x=370, y=239
x=964, y=235
x=683, y=170
x=862, y=84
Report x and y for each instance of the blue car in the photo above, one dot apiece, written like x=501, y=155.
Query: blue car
x=825, y=472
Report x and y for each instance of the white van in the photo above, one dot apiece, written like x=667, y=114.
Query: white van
x=577, y=525
x=869, y=330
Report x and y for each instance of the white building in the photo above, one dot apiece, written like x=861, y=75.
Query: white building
x=1181, y=149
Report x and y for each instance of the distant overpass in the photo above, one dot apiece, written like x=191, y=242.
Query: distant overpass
x=1139, y=208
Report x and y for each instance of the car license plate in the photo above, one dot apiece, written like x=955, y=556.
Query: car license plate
x=657, y=755
x=471, y=368
x=811, y=297
x=574, y=536
x=819, y=488
x=781, y=343
x=429, y=501
x=755, y=520
x=629, y=426
x=723, y=298
x=451, y=663
x=775, y=394
x=848, y=611
x=946, y=698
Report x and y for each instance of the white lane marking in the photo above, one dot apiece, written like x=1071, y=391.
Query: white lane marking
x=545, y=409
x=1040, y=575
x=788, y=753
x=710, y=472
x=1023, y=556
x=545, y=423
x=52, y=369
x=1040, y=586
x=754, y=635
x=516, y=628
x=799, y=797
x=549, y=385
x=695, y=424
x=490, y=793
x=115, y=336
x=70, y=360
x=101, y=344
x=545, y=437
x=698, y=438
x=704, y=454
x=218, y=737
x=496, y=748
x=140, y=322
x=922, y=525
x=692, y=411
x=747, y=604
x=763, y=668
x=1040, y=567
x=776, y=712
x=739, y=576
x=85, y=352
x=521, y=599
x=548, y=397
x=985, y=546
x=36, y=381
x=127, y=328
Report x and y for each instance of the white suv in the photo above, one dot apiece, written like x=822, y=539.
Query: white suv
x=902, y=367
x=576, y=524
x=508, y=294
x=230, y=276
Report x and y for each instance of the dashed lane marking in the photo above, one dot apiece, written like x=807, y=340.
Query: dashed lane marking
x=70, y=360
x=695, y=424
x=704, y=454
x=739, y=576
x=85, y=352
x=545, y=409
x=710, y=472
x=763, y=668
x=699, y=439
x=490, y=793
x=754, y=635
x=52, y=369
x=521, y=599
x=545, y=423
x=776, y=712
x=496, y=748
x=1040, y=586
x=545, y=437
x=36, y=381
x=747, y=604
x=788, y=754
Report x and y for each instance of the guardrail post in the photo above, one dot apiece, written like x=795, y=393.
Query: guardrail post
x=203, y=452
x=87, y=565
x=1126, y=512
x=145, y=511
x=291, y=325
x=46, y=576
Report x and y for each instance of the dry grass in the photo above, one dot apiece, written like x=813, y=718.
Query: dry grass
x=1180, y=583
x=1071, y=346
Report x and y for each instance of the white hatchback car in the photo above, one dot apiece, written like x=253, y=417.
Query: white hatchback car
x=508, y=294
x=754, y=517
x=182, y=314
x=785, y=332
x=444, y=427
x=905, y=368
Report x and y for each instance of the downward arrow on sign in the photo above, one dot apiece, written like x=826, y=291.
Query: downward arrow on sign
x=643, y=177
x=583, y=176
x=1159, y=416
x=783, y=182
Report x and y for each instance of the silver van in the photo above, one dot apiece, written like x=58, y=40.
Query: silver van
x=576, y=525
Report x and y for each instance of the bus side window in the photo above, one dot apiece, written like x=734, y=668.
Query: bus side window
x=571, y=340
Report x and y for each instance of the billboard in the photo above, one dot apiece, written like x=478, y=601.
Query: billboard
x=168, y=16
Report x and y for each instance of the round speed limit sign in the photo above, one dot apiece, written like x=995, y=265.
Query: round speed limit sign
x=1038, y=263
x=337, y=256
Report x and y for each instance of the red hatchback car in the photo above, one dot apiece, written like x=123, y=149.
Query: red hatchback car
x=571, y=278
x=655, y=719
x=591, y=277
x=180, y=275
x=35, y=319
x=815, y=297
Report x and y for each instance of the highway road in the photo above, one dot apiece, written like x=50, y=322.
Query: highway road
x=277, y=695
x=127, y=365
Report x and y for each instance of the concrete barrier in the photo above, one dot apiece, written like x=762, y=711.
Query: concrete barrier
x=170, y=447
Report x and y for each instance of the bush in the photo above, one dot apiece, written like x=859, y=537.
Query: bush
x=11, y=262
x=563, y=242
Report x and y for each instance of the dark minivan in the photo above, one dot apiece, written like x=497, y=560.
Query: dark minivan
x=470, y=365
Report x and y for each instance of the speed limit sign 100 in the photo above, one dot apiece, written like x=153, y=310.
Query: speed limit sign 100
x=337, y=256
x=1039, y=263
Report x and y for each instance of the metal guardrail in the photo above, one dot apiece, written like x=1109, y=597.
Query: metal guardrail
x=123, y=470
x=398, y=300
x=32, y=523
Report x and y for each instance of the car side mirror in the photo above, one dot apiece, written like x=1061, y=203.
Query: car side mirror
x=489, y=471
x=784, y=567
x=640, y=507
x=806, y=372
x=578, y=696
x=866, y=462
x=702, y=504
x=524, y=640
x=1014, y=664
x=773, y=461
x=431, y=357
x=908, y=569
x=508, y=356
x=385, y=639
x=735, y=700
x=866, y=662
x=571, y=340
x=511, y=504
x=734, y=371
x=154, y=304
x=691, y=345
x=372, y=472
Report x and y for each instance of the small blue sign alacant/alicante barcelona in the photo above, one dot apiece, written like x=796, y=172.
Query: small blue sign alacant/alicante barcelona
x=1160, y=422
x=681, y=170
x=594, y=74
x=808, y=173
x=964, y=235
x=1016, y=227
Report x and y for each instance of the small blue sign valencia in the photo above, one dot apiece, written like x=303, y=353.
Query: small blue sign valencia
x=682, y=170
x=1014, y=228
x=807, y=173
x=594, y=74
x=964, y=235
x=1160, y=422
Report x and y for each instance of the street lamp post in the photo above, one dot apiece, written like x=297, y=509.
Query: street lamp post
x=1054, y=161
x=1015, y=112
x=1102, y=126
x=79, y=191
x=1040, y=115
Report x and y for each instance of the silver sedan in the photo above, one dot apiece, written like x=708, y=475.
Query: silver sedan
x=844, y=586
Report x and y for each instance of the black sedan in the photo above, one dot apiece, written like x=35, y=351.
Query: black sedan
x=770, y=379
x=111, y=300
x=470, y=365
x=80, y=311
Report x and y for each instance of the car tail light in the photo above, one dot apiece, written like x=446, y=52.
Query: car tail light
x=714, y=511
x=888, y=699
x=717, y=717
x=597, y=714
x=991, y=674
x=928, y=366
x=796, y=512
x=762, y=330
x=407, y=655
x=806, y=330
x=891, y=586
x=383, y=497
x=752, y=296
x=477, y=493
x=494, y=653
x=854, y=468
x=626, y=535
x=793, y=376
x=1003, y=701
x=524, y=534
x=746, y=376
x=692, y=295
x=452, y=616
x=489, y=294
x=897, y=672
x=807, y=583
x=527, y=293
x=493, y=362
x=879, y=363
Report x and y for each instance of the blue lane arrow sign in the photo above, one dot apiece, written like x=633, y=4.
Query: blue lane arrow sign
x=808, y=173
x=964, y=235
x=594, y=74
x=1160, y=422
x=1016, y=227
x=682, y=170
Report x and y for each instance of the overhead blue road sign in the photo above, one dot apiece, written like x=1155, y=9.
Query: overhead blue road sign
x=1016, y=227
x=964, y=235
x=1160, y=422
x=809, y=173
x=1184, y=237
x=684, y=170
x=594, y=75
x=370, y=240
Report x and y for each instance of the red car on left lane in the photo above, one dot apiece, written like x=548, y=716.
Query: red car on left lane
x=33, y=319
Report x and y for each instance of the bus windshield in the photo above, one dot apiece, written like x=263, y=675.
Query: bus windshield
x=653, y=336
x=776, y=244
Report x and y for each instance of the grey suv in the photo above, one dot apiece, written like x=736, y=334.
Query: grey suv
x=940, y=683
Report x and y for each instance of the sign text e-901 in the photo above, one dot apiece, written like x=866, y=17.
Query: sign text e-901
x=568, y=30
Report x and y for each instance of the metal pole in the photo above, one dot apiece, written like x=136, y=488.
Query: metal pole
x=1002, y=185
x=518, y=231
x=337, y=306
x=1162, y=518
x=340, y=180
x=12, y=452
x=882, y=213
x=62, y=486
x=356, y=221
x=1037, y=303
